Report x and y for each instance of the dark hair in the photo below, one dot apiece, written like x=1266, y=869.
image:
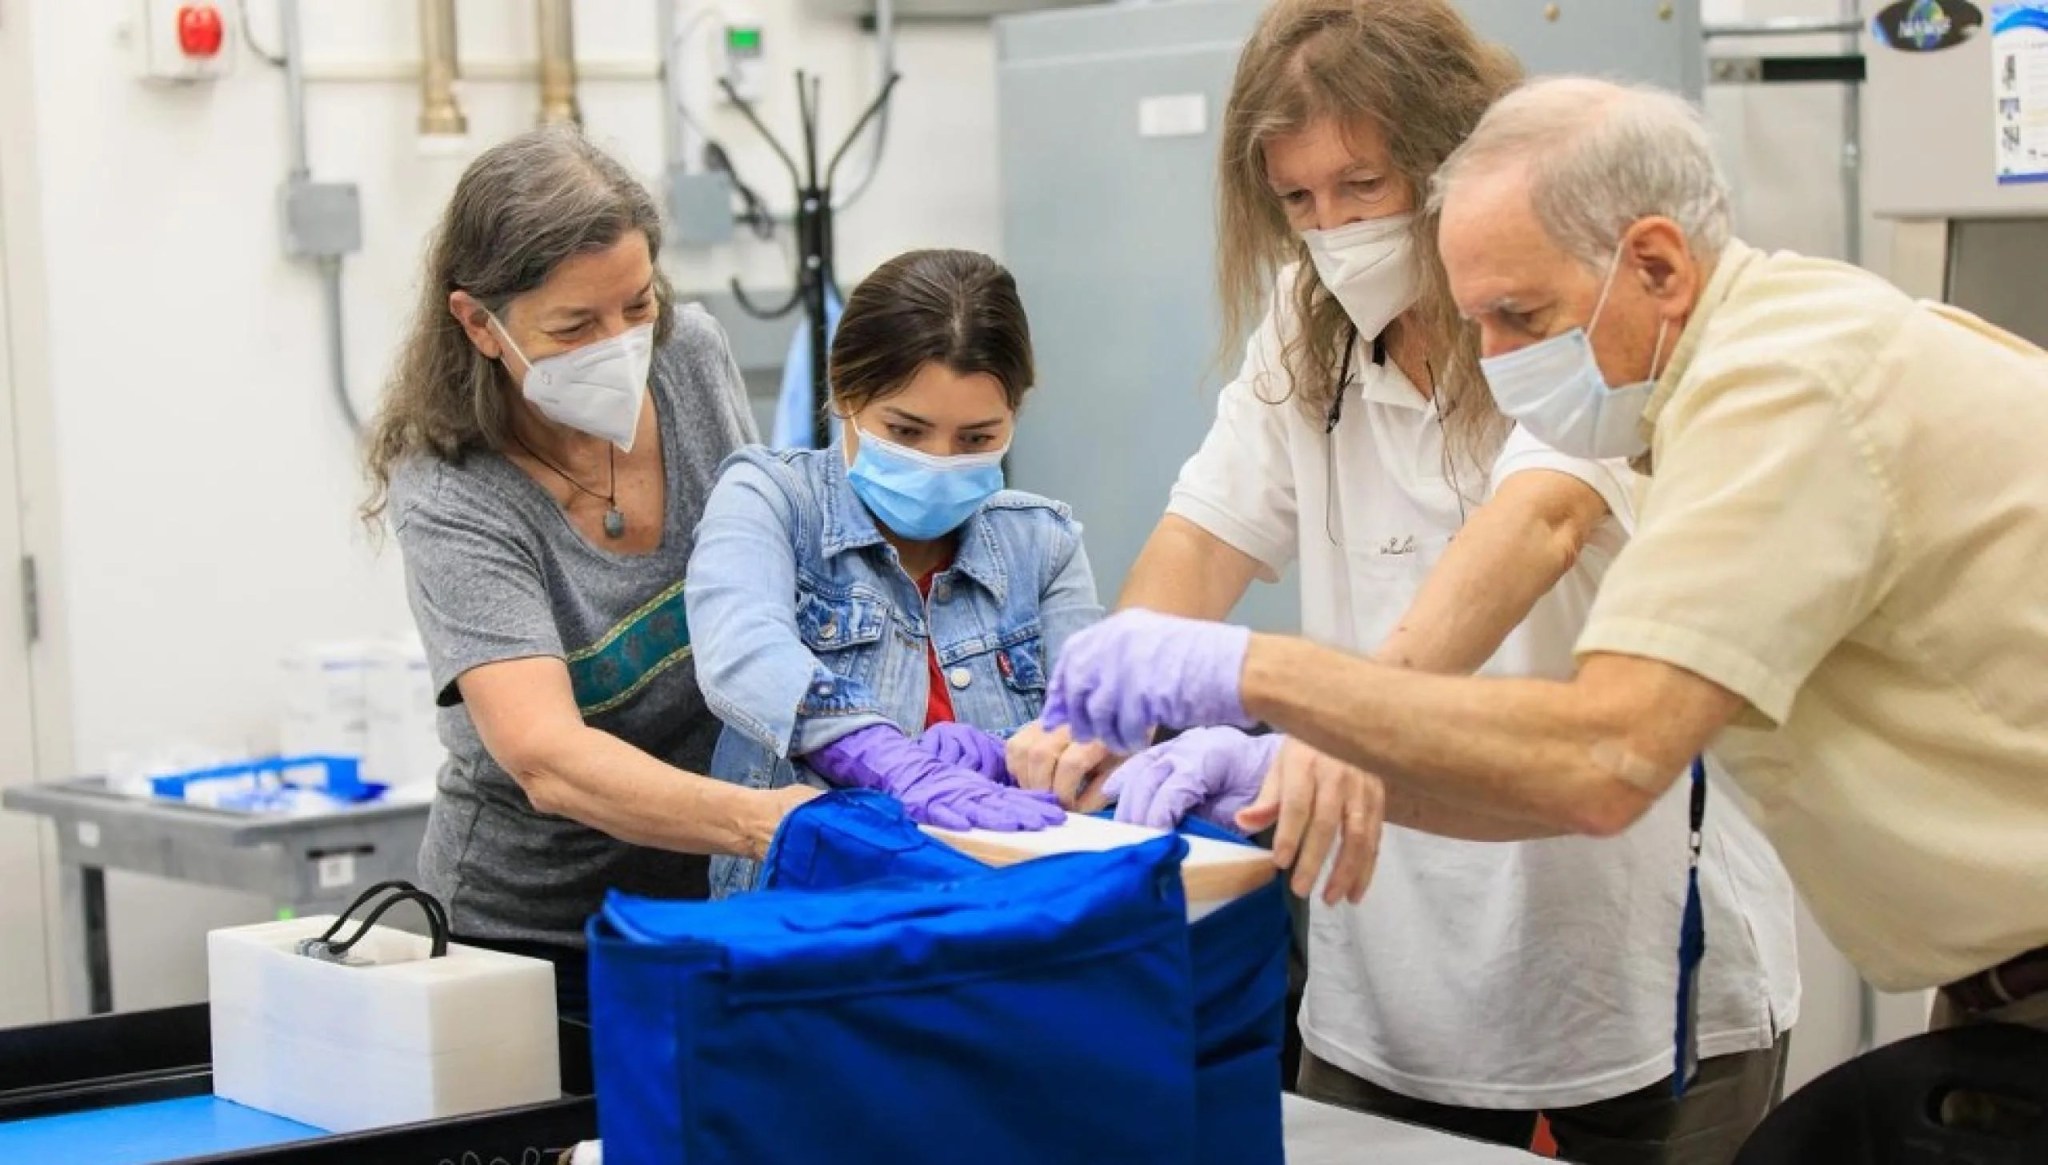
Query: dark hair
x=958, y=308
x=521, y=208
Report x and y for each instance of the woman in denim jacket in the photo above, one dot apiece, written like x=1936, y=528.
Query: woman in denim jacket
x=882, y=613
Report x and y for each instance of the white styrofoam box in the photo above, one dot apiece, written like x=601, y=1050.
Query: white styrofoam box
x=409, y=1038
x=325, y=711
x=402, y=742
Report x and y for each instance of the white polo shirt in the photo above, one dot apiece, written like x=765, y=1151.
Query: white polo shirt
x=1530, y=975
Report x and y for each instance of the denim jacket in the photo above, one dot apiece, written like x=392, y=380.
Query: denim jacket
x=806, y=627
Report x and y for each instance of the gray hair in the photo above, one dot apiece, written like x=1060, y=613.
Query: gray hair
x=1600, y=156
x=521, y=208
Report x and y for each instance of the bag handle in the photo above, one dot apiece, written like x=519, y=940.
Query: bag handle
x=399, y=891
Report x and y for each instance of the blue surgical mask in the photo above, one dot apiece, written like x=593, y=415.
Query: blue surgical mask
x=918, y=495
x=1554, y=389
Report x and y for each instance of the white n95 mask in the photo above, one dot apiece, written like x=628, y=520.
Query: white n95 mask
x=1554, y=389
x=1369, y=267
x=596, y=389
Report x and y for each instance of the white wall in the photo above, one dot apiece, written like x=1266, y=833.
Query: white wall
x=205, y=480
x=24, y=972
x=21, y=255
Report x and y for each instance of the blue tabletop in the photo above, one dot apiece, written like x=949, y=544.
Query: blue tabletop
x=141, y=1134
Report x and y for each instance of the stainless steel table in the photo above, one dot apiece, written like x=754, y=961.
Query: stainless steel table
x=304, y=863
x=1318, y=1134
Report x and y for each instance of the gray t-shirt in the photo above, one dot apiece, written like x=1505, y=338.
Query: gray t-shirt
x=494, y=571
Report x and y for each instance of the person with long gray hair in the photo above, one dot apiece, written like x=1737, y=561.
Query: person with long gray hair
x=1477, y=987
x=1835, y=586
x=543, y=454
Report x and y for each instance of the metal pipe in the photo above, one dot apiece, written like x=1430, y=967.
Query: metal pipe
x=440, y=115
x=337, y=359
x=475, y=70
x=1783, y=26
x=1852, y=232
x=675, y=132
x=1852, y=238
x=557, y=63
x=1866, y=1017
x=301, y=171
x=294, y=84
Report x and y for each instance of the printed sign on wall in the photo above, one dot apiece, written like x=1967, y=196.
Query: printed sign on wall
x=2019, y=90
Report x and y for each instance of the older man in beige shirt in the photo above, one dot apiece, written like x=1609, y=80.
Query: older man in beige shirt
x=1839, y=582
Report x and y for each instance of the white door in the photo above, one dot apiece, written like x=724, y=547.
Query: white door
x=24, y=965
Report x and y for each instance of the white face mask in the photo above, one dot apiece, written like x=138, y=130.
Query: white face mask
x=1554, y=389
x=596, y=389
x=1369, y=267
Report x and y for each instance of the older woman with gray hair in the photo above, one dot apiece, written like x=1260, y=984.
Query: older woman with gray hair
x=544, y=452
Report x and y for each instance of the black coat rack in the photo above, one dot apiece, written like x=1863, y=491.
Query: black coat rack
x=814, y=268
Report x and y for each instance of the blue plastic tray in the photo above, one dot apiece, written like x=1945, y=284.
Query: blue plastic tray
x=143, y=1134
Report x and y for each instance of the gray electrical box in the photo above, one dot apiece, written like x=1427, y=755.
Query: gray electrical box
x=699, y=207
x=1108, y=124
x=1107, y=225
x=322, y=220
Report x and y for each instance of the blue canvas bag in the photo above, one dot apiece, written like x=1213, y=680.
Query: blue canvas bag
x=1239, y=955
x=1013, y=1016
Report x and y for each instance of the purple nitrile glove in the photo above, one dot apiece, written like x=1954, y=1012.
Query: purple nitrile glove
x=964, y=746
x=1140, y=670
x=881, y=758
x=1210, y=772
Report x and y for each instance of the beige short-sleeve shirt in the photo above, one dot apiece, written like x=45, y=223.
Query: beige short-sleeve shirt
x=1847, y=526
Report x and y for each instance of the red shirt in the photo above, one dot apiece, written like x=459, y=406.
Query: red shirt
x=938, y=702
